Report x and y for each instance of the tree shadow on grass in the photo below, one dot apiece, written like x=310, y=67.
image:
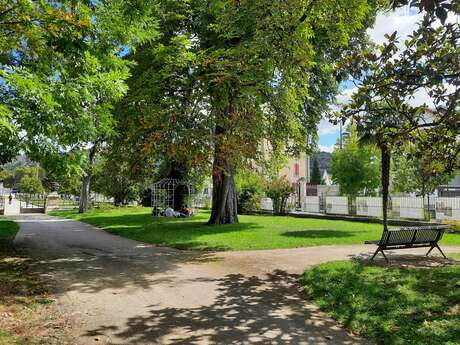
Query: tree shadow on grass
x=269, y=310
x=18, y=284
x=177, y=233
x=317, y=233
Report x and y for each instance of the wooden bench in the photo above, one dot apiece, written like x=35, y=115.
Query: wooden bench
x=410, y=237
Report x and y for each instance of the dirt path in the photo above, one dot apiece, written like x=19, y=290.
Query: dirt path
x=125, y=292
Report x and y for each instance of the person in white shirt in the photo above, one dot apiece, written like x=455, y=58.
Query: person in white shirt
x=169, y=212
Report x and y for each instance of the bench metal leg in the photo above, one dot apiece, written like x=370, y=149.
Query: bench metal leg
x=379, y=249
x=386, y=259
x=429, y=251
x=439, y=248
x=376, y=252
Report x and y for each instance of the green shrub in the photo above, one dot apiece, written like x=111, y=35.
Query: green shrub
x=248, y=200
x=454, y=225
x=279, y=190
x=249, y=188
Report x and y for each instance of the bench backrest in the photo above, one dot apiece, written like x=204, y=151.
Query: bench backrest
x=413, y=235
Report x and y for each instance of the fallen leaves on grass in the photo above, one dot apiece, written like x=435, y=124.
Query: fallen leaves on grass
x=28, y=315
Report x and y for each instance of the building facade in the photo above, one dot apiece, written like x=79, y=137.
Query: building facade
x=297, y=169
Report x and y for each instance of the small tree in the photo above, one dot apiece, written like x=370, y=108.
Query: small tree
x=279, y=190
x=419, y=175
x=31, y=183
x=316, y=173
x=390, y=79
x=355, y=167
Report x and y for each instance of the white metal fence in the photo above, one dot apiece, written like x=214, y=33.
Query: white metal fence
x=311, y=204
x=403, y=207
x=337, y=204
x=448, y=208
x=369, y=206
x=266, y=204
x=398, y=207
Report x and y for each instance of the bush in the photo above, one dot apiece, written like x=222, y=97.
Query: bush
x=279, y=191
x=249, y=200
x=249, y=188
x=454, y=225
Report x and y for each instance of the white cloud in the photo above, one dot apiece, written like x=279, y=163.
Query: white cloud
x=325, y=128
x=344, y=97
x=326, y=148
x=402, y=20
x=421, y=97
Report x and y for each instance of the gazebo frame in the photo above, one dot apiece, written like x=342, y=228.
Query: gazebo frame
x=163, y=194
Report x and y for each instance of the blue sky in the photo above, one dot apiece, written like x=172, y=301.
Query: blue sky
x=404, y=21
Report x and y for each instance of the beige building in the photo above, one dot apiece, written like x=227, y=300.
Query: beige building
x=297, y=169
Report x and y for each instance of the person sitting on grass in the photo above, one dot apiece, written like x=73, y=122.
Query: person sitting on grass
x=184, y=210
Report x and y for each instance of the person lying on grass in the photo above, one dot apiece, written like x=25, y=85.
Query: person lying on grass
x=184, y=213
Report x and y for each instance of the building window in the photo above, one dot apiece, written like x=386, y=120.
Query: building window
x=296, y=169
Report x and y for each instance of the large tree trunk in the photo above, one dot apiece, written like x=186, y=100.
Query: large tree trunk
x=386, y=156
x=84, y=195
x=224, y=207
x=224, y=198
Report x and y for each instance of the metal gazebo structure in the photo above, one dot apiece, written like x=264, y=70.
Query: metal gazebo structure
x=163, y=194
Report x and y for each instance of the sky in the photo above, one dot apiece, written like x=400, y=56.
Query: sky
x=404, y=21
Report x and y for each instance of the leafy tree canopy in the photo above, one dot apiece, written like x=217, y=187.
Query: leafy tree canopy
x=440, y=8
x=223, y=76
x=62, y=70
x=421, y=176
x=384, y=105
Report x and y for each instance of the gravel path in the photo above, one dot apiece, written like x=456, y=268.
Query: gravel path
x=123, y=292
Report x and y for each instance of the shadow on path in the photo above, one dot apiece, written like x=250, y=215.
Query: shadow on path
x=268, y=310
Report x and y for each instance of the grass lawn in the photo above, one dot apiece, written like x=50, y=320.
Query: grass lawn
x=390, y=305
x=8, y=230
x=27, y=315
x=253, y=232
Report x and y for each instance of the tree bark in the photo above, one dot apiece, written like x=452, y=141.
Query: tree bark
x=224, y=198
x=84, y=195
x=224, y=204
x=386, y=156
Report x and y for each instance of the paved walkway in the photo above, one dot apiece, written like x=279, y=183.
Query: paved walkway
x=125, y=292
